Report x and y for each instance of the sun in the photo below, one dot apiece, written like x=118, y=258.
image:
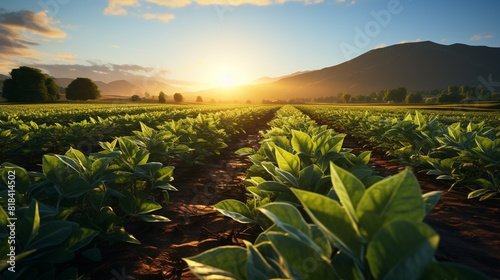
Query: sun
x=227, y=80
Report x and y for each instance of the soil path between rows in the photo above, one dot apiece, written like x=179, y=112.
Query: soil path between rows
x=195, y=225
x=469, y=230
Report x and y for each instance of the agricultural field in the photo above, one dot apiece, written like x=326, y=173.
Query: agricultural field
x=154, y=191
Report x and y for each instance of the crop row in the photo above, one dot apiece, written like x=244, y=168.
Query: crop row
x=466, y=153
x=31, y=139
x=325, y=215
x=78, y=202
x=69, y=113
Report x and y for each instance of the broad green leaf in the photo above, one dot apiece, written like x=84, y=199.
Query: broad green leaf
x=302, y=143
x=285, y=213
x=431, y=199
x=99, y=166
x=22, y=179
x=272, y=186
x=287, y=161
x=348, y=188
x=257, y=266
x=309, y=176
x=166, y=186
x=76, y=186
x=236, y=210
x=146, y=130
x=29, y=224
x=228, y=262
x=346, y=267
x=259, y=193
x=271, y=169
x=127, y=146
x=287, y=177
x=150, y=218
x=444, y=177
x=305, y=261
x=333, y=220
x=93, y=254
x=332, y=145
x=145, y=203
x=364, y=157
x=79, y=238
x=53, y=169
x=78, y=157
x=4, y=264
x=147, y=170
x=245, y=151
x=52, y=233
x=401, y=250
x=122, y=235
x=394, y=198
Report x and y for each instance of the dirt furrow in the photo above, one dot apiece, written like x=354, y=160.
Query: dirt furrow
x=195, y=226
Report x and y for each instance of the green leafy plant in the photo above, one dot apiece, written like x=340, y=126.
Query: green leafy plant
x=374, y=233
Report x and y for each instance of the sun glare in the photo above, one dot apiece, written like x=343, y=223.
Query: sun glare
x=227, y=80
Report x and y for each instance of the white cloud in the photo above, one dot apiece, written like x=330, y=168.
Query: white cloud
x=404, y=41
x=161, y=17
x=478, y=37
x=475, y=38
x=105, y=72
x=383, y=45
x=68, y=57
x=119, y=7
x=115, y=7
x=16, y=40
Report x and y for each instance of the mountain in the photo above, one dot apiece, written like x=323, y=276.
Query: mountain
x=267, y=80
x=63, y=82
x=127, y=88
x=416, y=66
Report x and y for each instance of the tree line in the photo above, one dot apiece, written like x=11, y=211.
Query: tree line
x=28, y=84
x=452, y=94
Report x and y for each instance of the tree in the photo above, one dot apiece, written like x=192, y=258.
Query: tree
x=380, y=96
x=199, y=99
x=451, y=95
x=396, y=95
x=249, y=101
x=414, y=97
x=178, y=97
x=372, y=97
x=346, y=97
x=82, y=89
x=136, y=98
x=29, y=84
x=162, y=97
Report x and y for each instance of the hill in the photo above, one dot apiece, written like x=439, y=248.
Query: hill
x=266, y=80
x=416, y=66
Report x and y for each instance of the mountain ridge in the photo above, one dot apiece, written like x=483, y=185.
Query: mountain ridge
x=417, y=66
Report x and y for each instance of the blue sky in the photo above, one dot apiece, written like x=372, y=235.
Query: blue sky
x=225, y=42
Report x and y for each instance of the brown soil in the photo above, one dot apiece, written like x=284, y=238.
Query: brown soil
x=469, y=229
x=195, y=226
